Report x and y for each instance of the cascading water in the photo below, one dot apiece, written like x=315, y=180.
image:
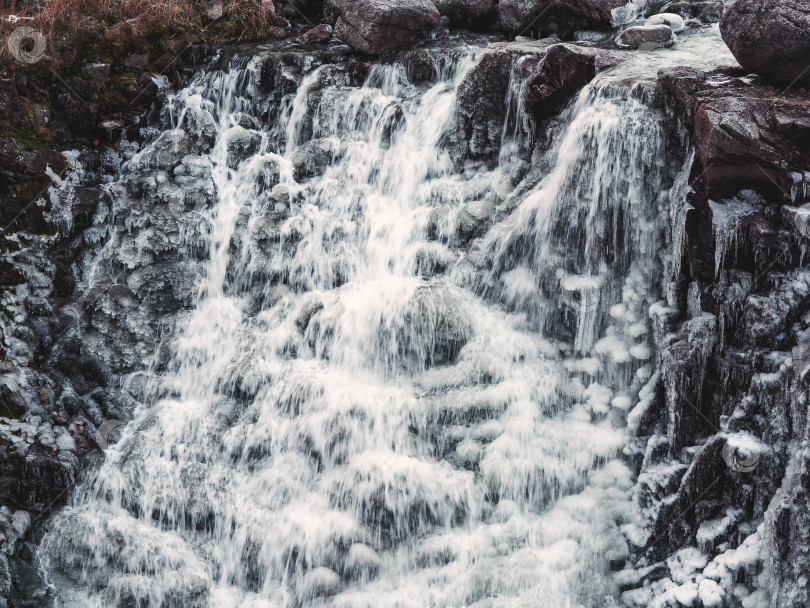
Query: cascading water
x=361, y=409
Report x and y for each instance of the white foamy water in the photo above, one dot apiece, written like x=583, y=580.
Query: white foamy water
x=363, y=410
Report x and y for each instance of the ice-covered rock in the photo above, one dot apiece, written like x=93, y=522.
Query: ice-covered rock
x=562, y=73
x=675, y=22
x=644, y=36
x=481, y=106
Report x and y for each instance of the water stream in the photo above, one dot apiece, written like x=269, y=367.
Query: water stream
x=365, y=408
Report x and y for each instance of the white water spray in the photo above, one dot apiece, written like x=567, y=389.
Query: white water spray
x=358, y=411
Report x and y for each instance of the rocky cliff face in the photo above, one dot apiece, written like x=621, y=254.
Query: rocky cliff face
x=722, y=441
x=723, y=450
x=63, y=138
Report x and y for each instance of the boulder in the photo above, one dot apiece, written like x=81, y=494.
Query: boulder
x=481, y=100
x=313, y=157
x=515, y=16
x=640, y=36
x=379, y=26
x=748, y=136
x=317, y=35
x=481, y=106
x=466, y=12
x=97, y=71
x=564, y=71
x=241, y=144
x=770, y=37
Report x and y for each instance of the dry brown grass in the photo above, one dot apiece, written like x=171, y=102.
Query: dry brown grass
x=81, y=28
x=248, y=19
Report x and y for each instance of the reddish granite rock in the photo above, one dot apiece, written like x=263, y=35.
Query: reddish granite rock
x=380, y=26
x=747, y=135
x=317, y=35
x=770, y=37
x=564, y=71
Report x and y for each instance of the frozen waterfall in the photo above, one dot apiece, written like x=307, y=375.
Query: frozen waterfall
x=366, y=406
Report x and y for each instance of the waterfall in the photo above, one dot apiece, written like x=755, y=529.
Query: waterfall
x=362, y=408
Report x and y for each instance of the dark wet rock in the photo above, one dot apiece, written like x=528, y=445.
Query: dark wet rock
x=99, y=72
x=481, y=102
x=22, y=177
x=644, y=36
x=675, y=22
x=55, y=381
x=241, y=144
x=787, y=534
x=562, y=73
x=678, y=514
x=656, y=483
x=9, y=99
x=684, y=369
x=769, y=37
x=12, y=403
x=733, y=354
x=519, y=16
x=317, y=35
x=315, y=156
x=768, y=318
x=379, y=26
x=37, y=463
x=137, y=61
x=481, y=105
x=474, y=219
x=467, y=12
x=10, y=274
x=747, y=136
x=332, y=10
